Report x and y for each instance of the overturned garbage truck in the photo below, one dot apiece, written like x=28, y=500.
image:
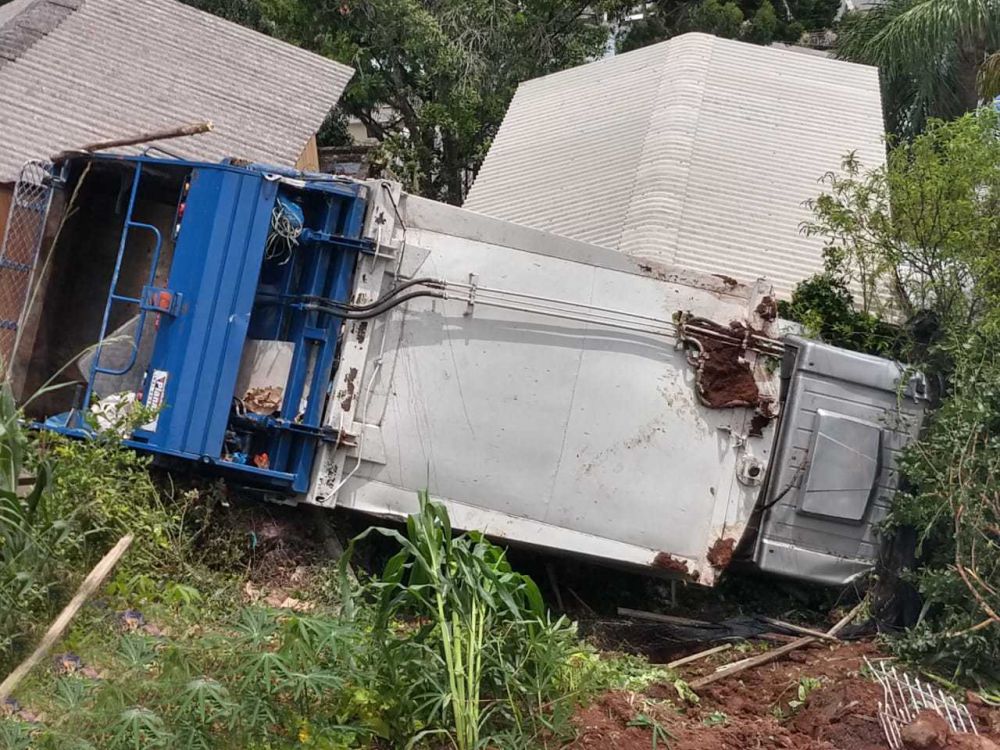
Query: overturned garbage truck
x=344, y=344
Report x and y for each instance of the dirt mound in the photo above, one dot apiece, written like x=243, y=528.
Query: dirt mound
x=843, y=715
x=622, y=721
x=605, y=724
x=814, y=699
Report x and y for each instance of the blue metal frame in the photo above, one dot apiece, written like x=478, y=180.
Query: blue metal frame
x=222, y=291
x=114, y=297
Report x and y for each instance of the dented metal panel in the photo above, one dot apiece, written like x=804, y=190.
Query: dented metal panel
x=550, y=431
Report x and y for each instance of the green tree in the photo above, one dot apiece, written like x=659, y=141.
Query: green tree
x=757, y=21
x=921, y=233
x=937, y=58
x=433, y=79
x=723, y=19
x=921, y=238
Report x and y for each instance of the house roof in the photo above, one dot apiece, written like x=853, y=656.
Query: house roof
x=74, y=72
x=697, y=152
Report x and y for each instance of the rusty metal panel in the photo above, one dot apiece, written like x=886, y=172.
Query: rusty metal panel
x=697, y=152
x=553, y=432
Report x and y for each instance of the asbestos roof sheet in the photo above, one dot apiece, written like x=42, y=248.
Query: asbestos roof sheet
x=697, y=152
x=73, y=72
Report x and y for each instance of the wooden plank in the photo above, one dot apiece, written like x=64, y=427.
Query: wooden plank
x=308, y=160
x=90, y=584
x=699, y=655
x=799, y=629
x=639, y=614
x=777, y=653
x=754, y=661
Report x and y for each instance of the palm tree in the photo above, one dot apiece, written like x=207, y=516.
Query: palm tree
x=938, y=58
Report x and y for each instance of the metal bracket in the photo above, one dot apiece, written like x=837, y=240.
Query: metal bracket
x=159, y=300
x=473, y=284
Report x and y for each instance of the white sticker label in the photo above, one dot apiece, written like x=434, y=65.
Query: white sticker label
x=157, y=390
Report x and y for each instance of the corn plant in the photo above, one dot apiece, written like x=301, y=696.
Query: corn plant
x=30, y=533
x=467, y=589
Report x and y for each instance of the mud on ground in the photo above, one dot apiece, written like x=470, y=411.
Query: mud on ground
x=754, y=710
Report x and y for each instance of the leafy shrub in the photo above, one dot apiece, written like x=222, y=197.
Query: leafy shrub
x=81, y=497
x=825, y=307
x=919, y=237
x=110, y=491
x=955, y=507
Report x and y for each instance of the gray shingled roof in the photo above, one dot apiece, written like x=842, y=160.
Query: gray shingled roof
x=697, y=152
x=77, y=71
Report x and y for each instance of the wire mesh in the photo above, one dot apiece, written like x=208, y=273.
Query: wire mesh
x=22, y=236
x=904, y=697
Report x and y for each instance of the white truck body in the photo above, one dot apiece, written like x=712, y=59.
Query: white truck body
x=551, y=404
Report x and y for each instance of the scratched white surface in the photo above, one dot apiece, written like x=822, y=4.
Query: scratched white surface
x=548, y=431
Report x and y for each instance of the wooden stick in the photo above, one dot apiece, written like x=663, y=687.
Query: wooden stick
x=754, y=661
x=639, y=614
x=777, y=653
x=90, y=584
x=846, y=620
x=799, y=629
x=194, y=128
x=581, y=602
x=733, y=664
x=699, y=655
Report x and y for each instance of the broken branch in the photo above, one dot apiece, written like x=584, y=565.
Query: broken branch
x=639, y=614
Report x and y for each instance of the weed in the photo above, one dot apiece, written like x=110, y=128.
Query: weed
x=659, y=732
x=685, y=693
x=616, y=671
x=715, y=719
x=34, y=537
x=481, y=623
x=806, y=686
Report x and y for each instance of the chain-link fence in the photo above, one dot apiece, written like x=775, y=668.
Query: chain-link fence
x=21, y=239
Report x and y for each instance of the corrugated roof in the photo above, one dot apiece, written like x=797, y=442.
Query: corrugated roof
x=9, y=10
x=113, y=68
x=24, y=22
x=697, y=152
